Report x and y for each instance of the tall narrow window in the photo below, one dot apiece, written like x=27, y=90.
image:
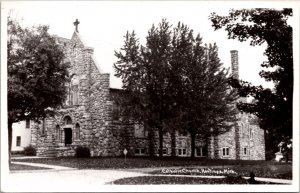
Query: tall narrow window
x=57, y=132
x=27, y=123
x=75, y=95
x=74, y=87
x=240, y=127
x=77, y=131
x=251, y=133
x=43, y=126
x=18, y=141
x=68, y=94
x=71, y=97
x=61, y=135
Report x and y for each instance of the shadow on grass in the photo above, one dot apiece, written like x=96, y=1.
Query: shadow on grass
x=151, y=180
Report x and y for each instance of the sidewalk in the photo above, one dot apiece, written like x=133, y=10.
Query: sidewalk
x=53, y=167
x=27, y=157
x=63, y=180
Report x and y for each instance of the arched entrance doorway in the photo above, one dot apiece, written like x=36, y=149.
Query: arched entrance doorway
x=68, y=136
x=68, y=130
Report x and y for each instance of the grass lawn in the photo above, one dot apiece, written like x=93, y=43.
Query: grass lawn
x=16, y=167
x=148, y=180
x=241, y=167
x=144, y=162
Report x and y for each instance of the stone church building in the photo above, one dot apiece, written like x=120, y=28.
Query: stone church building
x=89, y=118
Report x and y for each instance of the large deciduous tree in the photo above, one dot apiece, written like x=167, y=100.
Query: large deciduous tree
x=36, y=73
x=173, y=85
x=270, y=26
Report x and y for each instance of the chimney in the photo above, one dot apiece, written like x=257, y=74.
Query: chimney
x=234, y=64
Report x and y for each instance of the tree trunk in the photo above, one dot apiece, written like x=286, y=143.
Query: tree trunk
x=287, y=156
x=10, y=122
x=151, y=140
x=173, y=143
x=193, y=141
x=160, y=135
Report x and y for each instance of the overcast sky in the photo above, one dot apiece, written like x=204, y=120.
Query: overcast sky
x=103, y=25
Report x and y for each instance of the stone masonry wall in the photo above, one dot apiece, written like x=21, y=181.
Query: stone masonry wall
x=226, y=140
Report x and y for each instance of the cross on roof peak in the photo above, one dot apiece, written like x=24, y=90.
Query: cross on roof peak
x=76, y=23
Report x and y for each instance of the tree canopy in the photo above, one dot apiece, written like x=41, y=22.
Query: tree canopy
x=36, y=73
x=270, y=26
x=174, y=84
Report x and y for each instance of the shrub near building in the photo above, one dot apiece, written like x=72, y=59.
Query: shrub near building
x=82, y=152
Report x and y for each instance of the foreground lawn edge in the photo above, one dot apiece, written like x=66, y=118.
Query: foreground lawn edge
x=159, y=180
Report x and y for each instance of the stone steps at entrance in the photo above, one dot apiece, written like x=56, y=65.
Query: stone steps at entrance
x=49, y=153
x=53, y=152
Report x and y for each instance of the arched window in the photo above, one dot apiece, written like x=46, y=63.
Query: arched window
x=75, y=95
x=67, y=120
x=241, y=127
x=68, y=101
x=57, y=132
x=74, y=88
x=71, y=98
x=43, y=126
x=77, y=131
x=251, y=133
x=73, y=91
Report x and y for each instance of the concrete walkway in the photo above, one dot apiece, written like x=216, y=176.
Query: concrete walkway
x=274, y=180
x=28, y=157
x=43, y=165
x=63, y=180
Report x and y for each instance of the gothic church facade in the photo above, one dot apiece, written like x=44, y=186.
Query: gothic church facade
x=88, y=119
